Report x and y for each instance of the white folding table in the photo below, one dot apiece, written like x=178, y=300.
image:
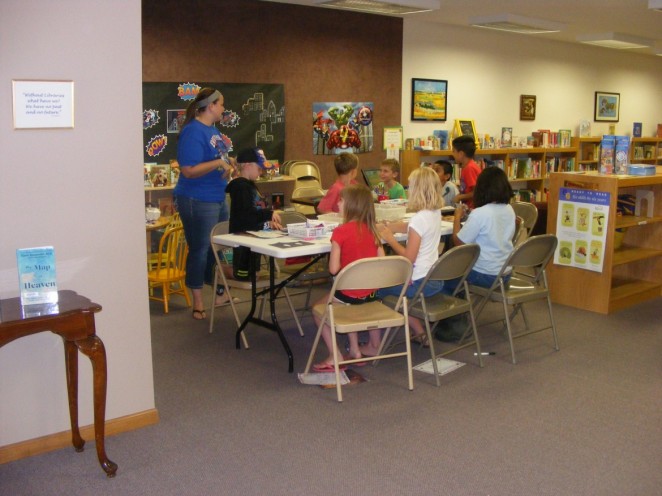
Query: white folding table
x=282, y=247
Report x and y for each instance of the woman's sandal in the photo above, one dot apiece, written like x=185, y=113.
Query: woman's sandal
x=199, y=315
x=421, y=339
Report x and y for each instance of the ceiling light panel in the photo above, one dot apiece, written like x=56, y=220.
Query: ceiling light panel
x=378, y=7
x=516, y=24
x=618, y=41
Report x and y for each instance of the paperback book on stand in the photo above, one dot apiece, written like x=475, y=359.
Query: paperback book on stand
x=607, y=152
x=36, y=275
x=621, y=150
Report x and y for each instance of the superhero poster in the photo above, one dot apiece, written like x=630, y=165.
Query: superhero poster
x=340, y=127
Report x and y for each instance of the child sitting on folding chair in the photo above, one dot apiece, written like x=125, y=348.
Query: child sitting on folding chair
x=491, y=224
x=422, y=249
x=356, y=238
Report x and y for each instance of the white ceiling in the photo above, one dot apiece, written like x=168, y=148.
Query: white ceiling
x=631, y=17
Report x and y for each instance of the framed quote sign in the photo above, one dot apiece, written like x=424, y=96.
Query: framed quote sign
x=43, y=104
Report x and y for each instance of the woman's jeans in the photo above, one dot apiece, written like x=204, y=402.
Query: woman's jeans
x=199, y=218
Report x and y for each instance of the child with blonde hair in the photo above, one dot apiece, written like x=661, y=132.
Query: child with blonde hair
x=356, y=238
x=423, y=237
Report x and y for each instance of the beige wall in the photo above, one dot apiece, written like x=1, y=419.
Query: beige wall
x=488, y=71
x=72, y=189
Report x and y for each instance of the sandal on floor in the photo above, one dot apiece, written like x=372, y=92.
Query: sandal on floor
x=199, y=315
x=421, y=339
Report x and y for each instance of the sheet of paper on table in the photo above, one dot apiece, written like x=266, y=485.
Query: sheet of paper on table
x=444, y=366
x=267, y=234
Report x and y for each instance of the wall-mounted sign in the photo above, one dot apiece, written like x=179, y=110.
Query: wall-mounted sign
x=43, y=104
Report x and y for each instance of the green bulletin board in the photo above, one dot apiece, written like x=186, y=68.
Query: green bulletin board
x=255, y=117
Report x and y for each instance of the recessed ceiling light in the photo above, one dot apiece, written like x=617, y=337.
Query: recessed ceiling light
x=516, y=24
x=378, y=7
x=614, y=40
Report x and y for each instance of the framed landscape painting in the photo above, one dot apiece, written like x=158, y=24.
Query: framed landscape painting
x=428, y=99
x=607, y=106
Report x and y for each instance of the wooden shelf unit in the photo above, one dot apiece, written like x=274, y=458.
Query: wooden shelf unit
x=646, y=151
x=632, y=273
x=588, y=153
x=412, y=159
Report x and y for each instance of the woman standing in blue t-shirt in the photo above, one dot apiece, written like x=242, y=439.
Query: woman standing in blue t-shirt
x=200, y=192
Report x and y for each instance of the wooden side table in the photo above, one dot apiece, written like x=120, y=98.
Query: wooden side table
x=72, y=318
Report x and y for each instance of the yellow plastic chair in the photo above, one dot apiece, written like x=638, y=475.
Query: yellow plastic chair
x=366, y=273
x=170, y=269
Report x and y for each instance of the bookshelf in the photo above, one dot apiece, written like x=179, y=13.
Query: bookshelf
x=632, y=273
x=588, y=153
x=527, y=168
x=646, y=151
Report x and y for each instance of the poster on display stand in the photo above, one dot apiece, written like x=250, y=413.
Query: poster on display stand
x=581, y=228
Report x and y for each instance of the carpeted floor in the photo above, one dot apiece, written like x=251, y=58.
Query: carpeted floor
x=583, y=421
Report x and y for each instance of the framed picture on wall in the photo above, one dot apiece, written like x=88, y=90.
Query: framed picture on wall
x=607, y=106
x=527, y=107
x=429, y=98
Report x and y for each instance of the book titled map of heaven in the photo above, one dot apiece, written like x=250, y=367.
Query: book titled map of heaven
x=36, y=275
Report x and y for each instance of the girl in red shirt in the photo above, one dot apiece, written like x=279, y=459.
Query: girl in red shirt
x=355, y=239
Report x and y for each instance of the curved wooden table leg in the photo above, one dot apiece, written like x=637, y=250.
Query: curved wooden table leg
x=93, y=347
x=71, y=365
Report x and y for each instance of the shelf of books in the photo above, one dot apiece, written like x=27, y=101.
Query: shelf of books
x=527, y=168
x=646, y=151
x=588, y=153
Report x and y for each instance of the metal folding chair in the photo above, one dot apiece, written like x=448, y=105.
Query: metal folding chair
x=366, y=273
x=532, y=255
x=454, y=264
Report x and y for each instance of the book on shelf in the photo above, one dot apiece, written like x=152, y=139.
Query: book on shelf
x=495, y=163
x=607, y=150
x=559, y=164
x=649, y=151
x=528, y=195
x=636, y=129
x=506, y=137
x=526, y=168
x=584, y=129
x=621, y=149
x=659, y=130
x=638, y=151
x=545, y=133
x=36, y=275
x=564, y=138
x=554, y=139
x=537, y=139
x=442, y=136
